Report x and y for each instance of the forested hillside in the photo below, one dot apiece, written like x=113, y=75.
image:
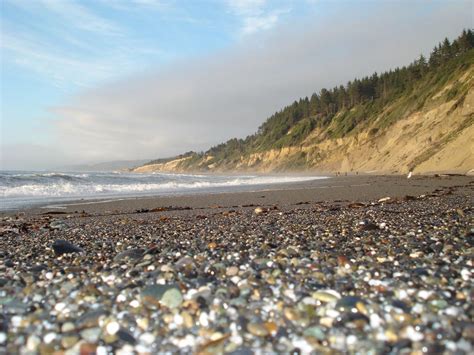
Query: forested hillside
x=363, y=117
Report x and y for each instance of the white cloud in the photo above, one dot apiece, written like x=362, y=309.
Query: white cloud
x=132, y=5
x=246, y=7
x=253, y=24
x=255, y=15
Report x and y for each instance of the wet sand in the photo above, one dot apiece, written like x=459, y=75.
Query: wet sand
x=337, y=188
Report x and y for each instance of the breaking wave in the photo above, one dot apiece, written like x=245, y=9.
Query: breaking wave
x=50, y=186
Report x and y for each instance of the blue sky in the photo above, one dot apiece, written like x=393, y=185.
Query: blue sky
x=53, y=48
x=67, y=66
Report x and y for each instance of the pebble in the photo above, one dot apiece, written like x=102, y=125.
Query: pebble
x=257, y=329
x=131, y=254
x=326, y=296
x=63, y=247
x=391, y=276
x=167, y=295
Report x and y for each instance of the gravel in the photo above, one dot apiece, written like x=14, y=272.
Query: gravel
x=392, y=275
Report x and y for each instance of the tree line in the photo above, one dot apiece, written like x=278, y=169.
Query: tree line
x=324, y=105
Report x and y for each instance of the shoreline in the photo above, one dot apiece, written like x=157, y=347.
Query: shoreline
x=347, y=188
x=242, y=183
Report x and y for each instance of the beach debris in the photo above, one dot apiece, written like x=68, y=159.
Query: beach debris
x=47, y=213
x=356, y=205
x=384, y=199
x=260, y=210
x=57, y=225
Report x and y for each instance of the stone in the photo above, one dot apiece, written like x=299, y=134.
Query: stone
x=131, y=254
x=61, y=247
x=166, y=295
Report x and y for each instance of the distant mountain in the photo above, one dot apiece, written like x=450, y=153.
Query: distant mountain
x=117, y=165
x=419, y=117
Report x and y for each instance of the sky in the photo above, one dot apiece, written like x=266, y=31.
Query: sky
x=99, y=80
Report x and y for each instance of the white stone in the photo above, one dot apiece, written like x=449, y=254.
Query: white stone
x=48, y=338
x=424, y=294
x=112, y=328
x=375, y=320
x=203, y=319
x=59, y=307
x=412, y=334
x=32, y=343
x=147, y=338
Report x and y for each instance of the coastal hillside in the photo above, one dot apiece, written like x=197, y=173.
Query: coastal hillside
x=416, y=118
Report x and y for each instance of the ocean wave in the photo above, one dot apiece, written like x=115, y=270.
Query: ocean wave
x=20, y=179
x=80, y=185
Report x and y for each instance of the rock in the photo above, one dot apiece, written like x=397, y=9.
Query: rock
x=33, y=343
x=257, y=329
x=61, y=247
x=3, y=323
x=232, y=271
x=166, y=295
x=315, y=332
x=131, y=254
x=90, y=319
x=91, y=335
x=348, y=303
x=69, y=341
x=126, y=336
x=186, y=265
x=326, y=295
x=368, y=226
x=38, y=268
x=57, y=225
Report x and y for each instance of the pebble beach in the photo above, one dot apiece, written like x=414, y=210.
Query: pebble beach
x=388, y=270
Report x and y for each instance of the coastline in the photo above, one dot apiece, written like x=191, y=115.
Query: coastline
x=336, y=188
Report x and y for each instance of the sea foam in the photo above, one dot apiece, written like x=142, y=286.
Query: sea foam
x=48, y=186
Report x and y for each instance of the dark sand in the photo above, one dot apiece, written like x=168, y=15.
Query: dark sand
x=335, y=189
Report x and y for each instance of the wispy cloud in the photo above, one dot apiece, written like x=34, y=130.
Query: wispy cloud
x=253, y=24
x=255, y=15
x=77, y=49
x=137, y=5
x=246, y=7
x=45, y=60
x=54, y=64
x=81, y=17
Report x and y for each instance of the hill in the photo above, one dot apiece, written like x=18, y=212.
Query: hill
x=419, y=117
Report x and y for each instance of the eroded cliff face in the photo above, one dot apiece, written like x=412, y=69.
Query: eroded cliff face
x=437, y=138
x=170, y=166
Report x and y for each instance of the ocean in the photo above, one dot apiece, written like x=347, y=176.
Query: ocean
x=26, y=189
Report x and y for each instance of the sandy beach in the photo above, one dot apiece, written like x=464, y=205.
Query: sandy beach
x=336, y=188
x=368, y=263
